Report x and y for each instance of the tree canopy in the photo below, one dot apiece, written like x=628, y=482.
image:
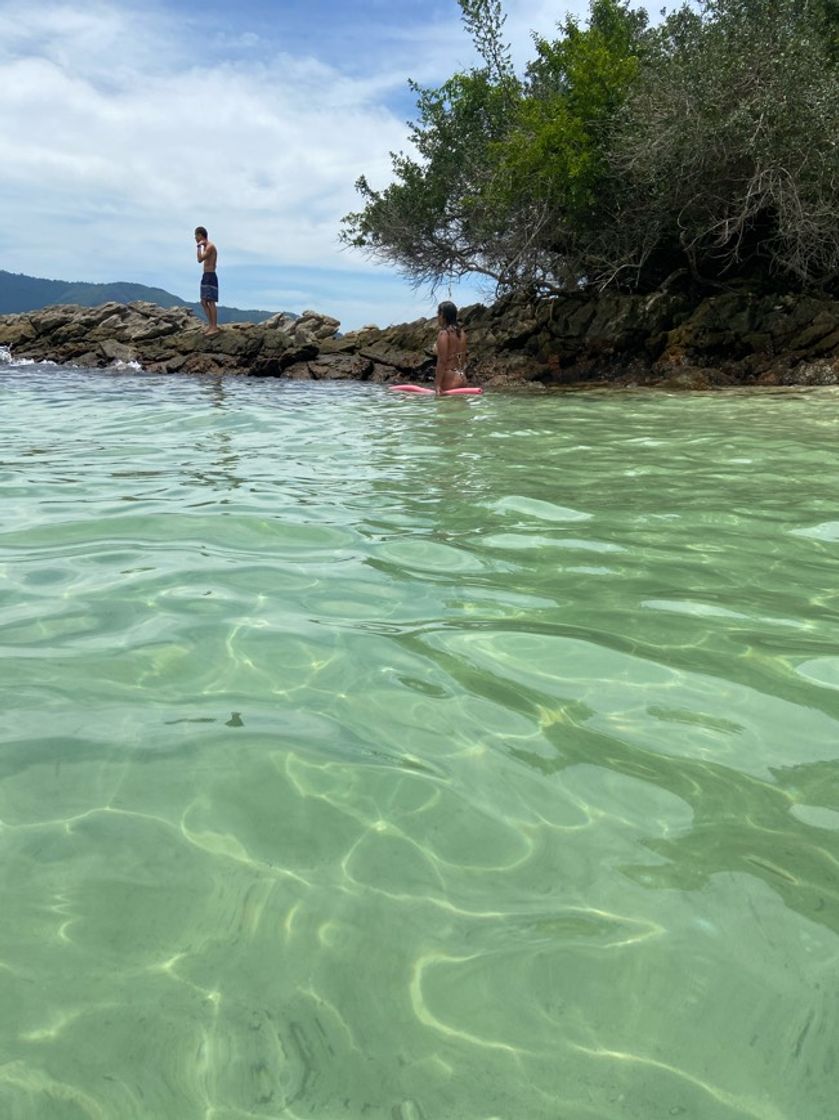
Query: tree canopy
x=625, y=154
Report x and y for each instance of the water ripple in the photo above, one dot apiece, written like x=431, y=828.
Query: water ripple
x=415, y=762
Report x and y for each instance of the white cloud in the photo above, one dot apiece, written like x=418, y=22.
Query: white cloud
x=542, y=16
x=439, y=48
x=107, y=167
x=118, y=137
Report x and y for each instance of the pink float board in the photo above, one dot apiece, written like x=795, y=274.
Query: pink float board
x=467, y=391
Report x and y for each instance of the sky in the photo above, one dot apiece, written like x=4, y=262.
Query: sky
x=126, y=123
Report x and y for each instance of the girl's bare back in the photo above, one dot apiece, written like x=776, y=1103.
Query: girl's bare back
x=451, y=359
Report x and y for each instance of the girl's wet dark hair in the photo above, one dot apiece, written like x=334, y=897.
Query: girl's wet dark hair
x=448, y=311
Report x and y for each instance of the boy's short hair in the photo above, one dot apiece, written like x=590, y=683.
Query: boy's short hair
x=201, y=230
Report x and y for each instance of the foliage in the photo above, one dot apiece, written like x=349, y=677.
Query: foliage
x=506, y=169
x=728, y=149
x=555, y=156
x=625, y=154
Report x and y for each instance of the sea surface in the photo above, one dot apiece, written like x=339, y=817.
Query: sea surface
x=373, y=756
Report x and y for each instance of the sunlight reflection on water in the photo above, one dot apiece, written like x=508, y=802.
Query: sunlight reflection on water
x=337, y=781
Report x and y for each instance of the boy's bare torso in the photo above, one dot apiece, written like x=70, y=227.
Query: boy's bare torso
x=209, y=255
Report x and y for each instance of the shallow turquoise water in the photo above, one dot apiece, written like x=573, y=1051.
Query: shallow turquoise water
x=377, y=757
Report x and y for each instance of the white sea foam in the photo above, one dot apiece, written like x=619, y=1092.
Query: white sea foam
x=8, y=359
x=122, y=366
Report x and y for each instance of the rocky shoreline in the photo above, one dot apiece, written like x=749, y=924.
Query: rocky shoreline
x=578, y=339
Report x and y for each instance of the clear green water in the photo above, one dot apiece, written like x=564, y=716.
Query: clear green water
x=366, y=756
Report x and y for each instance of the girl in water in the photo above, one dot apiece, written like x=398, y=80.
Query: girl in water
x=451, y=350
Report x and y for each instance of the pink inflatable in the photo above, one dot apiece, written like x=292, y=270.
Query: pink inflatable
x=467, y=391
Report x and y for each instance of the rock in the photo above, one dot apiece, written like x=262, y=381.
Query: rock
x=117, y=351
x=823, y=325
x=210, y=363
x=380, y=375
x=341, y=367
x=299, y=371
x=171, y=365
x=91, y=359
x=408, y=363
x=312, y=326
x=573, y=338
x=274, y=361
x=346, y=344
x=282, y=322
x=16, y=331
x=827, y=345
x=811, y=373
x=688, y=379
x=235, y=344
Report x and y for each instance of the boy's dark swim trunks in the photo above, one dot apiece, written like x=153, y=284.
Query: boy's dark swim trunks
x=209, y=287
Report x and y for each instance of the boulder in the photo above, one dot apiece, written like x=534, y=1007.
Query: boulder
x=91, y=359
x=380, y=375
x=821, y=332
x=341, y=367
x=811, y=373
x=574, y=337
x=16, y=331
x=281, y=322
x=298, y=371
x=689, y=379
x=117, y=351
x=313, y=326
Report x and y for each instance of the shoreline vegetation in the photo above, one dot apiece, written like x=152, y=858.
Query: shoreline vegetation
x=652, y=204
x=698, y=154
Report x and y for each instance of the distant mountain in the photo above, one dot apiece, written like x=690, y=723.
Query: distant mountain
x=29, y=293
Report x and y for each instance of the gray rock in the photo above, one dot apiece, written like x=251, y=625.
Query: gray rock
x=117, y=351
x=736, y=337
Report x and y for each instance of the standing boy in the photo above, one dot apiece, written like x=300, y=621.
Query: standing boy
x=208, y=255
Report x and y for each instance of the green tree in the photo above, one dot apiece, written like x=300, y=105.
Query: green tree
x=556, y=155
x=506, y=177
x=625, y=154
x=727, y=150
